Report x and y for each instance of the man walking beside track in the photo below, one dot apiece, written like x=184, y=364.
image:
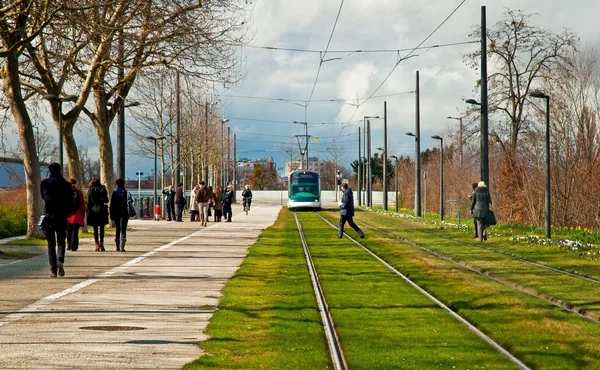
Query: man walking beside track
x=347, y=212
x=58, y=199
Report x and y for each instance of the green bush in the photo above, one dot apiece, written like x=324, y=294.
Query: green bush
x=13, y=221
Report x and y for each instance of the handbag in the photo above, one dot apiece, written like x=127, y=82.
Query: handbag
x=130, y=208
x=490, y=218
x=43, y=222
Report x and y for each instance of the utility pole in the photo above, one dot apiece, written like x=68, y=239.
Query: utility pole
x=385, y=174
x=417, y=151
x=485, y=170
x=178, y=108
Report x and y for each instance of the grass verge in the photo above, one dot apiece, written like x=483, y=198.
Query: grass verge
x=268, y=318
x=538, y=333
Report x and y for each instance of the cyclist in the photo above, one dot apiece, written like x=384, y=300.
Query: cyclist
x=247, y=195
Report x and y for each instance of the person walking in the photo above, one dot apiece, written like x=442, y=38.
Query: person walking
x=97, y=211
x=119, y=213
x=57, y=195
x=194, y=212
x=179, y=202
x=218, y=199
x=77, y=218
x=480, y=205
x=170, y=202
x=210, y=204
x=247, y=195
x=202, y=198
x=227, y=200
x=474, y=186
x=347, y=212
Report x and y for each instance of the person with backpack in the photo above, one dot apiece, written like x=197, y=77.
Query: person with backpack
x=57, y=195
x=119, y=213
x=97, y=211
x=77, y=218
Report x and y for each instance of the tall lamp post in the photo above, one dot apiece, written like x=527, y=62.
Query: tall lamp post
x=396, y=179
x=417, y=174
x=305, y=151
x=155, y=139
x=483, y=164
x=460, y=137
x=358, y=171
x=542, y=95
x=367, y=155
x=436, y=137
x=121, y=137
x=223, y=177
x=59, y=101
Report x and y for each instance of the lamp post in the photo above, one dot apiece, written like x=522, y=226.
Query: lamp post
x=121, y=137
x=358, y=171
x=223, y=177
x=417, y=174
x=338, y=177
x=367, y=155
x=483, y=164
x=59, y=101
x=396, y=180
x=437, y=137
x=542, y=95
x=460, y=137
x=155, y=139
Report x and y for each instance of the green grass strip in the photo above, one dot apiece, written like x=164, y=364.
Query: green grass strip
x=268, y=317
x=382, y=321
x=569, y=290
x=538, y=333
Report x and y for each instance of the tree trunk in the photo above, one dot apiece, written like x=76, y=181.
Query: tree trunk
x=12, y=89
x=107, y=176
x=73, y=157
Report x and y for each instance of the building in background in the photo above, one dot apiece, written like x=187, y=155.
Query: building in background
x=314, y=164
x=245, y=167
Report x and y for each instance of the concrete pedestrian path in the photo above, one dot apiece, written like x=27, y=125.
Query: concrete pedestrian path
x=143, y=309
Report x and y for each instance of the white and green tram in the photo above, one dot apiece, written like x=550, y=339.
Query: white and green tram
x=304, y=190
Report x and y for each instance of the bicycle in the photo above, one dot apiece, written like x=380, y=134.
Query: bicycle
x=247, y=202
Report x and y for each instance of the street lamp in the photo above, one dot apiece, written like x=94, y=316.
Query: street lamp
x=460, y=137
x=484, y=160
x=417, y=174
x=121, y=137
x=59, y=101
x=359, y=172
x=396, y=178
x=542, y=95
x=156, y=139
x=367, y=155
x=338, y=177
x=223, y=177
x=436, y=137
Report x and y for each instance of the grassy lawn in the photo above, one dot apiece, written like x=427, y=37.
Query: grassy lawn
x=539, y=333
x=268, y=318
x=383, y=322
x=41, y=242
x=17, y=255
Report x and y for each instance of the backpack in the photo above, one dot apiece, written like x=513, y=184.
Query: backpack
x=128, y=200
x=75, y=201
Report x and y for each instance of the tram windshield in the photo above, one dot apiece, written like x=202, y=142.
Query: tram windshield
x=304, y=187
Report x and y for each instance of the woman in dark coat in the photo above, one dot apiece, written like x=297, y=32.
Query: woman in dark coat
x=97, y=211
x=480, y=205
x=119, y=213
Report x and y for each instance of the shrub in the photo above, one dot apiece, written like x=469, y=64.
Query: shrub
x=13, y=213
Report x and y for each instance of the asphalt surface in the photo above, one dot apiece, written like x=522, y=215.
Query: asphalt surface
x=146, y=308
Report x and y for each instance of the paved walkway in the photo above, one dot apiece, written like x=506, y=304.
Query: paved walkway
x=146, y=308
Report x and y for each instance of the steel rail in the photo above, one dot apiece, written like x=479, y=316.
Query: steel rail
x=553, y=301
x=337, y=356
x=471, y=327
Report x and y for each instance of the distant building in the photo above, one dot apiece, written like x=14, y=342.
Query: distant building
x=314, y=164
x=245, y=166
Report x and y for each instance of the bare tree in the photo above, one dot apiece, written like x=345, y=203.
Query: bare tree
x=20, y=23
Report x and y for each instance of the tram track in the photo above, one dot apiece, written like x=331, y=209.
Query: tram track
x=554, y=301
x=337, y=356
x=454, y=314
x=479, y=246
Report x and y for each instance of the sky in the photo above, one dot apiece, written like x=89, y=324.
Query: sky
x=279, y=83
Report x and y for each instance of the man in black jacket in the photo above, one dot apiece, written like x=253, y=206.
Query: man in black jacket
x=227, y=200
x=347, y=212
x=57, y=196
x=170, y=202
x=179, y=202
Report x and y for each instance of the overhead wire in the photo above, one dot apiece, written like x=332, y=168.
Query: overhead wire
x=322, y=56
x=360, y=50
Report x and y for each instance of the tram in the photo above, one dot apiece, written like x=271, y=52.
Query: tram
x=304, y=190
